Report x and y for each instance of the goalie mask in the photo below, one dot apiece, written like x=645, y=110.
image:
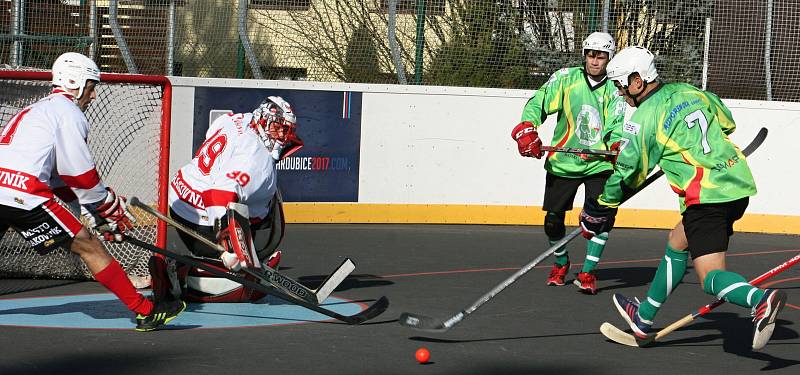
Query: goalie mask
x=276, y=124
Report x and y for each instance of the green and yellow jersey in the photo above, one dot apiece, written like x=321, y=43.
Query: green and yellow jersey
x=588, y=117
x=683, y=130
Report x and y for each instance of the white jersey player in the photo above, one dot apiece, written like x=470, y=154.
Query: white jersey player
x=43, y=154
x=237, y=163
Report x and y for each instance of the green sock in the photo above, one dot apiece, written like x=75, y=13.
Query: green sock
x=562, y=258
x=594, y=249
x=732, y=287
x=668, y=276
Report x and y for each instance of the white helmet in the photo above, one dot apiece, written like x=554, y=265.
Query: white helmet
x=632, y=60
x=275, y=109
x=72, y=70
x=599, y=41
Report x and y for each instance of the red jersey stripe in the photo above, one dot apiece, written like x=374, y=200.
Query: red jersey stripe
x=693, y=190
x=213, y=197
x=24, y=182
x=86, y=180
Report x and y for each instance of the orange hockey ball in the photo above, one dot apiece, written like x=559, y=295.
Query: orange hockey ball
x=422, y=355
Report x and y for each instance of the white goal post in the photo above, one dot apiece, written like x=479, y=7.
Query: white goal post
x=129, y=139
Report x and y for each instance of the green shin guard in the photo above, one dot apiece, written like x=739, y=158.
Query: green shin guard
x=594, y=249
x=732, y=287
x=669, y=274
x=562, y=258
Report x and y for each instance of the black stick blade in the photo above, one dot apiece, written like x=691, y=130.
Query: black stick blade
x=376, y=309
x=423, y=323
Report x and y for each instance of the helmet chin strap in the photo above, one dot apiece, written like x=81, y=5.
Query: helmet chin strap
x=80, y=93
x=635, y=98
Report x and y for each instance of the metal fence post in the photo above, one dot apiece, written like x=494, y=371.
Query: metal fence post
x=121, y=43
x=420, y=42
x=393, y=46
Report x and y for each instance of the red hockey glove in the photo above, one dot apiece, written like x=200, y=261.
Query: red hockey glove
x=115, y=212
x=614, y=147
x=111, y=217
x=596, y=218
x=528, y=142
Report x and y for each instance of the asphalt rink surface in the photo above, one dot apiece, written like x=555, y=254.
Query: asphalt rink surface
x=434, y=270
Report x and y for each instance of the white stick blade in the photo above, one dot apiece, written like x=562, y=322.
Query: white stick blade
x=333, y=281
x=617, y=335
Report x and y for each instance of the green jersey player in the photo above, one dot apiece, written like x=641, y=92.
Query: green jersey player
x=590, y=115
x=684, y=131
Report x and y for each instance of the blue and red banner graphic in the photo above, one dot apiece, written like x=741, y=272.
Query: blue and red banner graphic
x=329, y=122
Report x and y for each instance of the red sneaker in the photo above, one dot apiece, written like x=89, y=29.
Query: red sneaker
x=557, y=274
x=587, y=281
x=273, y=260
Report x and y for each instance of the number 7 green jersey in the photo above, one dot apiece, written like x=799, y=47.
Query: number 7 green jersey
x=684, y=130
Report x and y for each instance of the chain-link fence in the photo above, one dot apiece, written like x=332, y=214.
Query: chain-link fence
x=737, y=48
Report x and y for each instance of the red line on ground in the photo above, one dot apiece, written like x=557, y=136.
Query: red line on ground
x=449, y=272
x=574, y=264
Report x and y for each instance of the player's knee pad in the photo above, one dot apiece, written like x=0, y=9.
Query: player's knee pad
x=554, y=225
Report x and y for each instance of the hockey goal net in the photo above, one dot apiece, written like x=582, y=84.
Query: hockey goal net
x=129, y=139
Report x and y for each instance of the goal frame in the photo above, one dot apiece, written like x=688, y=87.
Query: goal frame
x=166, y=120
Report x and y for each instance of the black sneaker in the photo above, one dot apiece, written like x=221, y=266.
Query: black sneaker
x=162, y=313
x=764, y=314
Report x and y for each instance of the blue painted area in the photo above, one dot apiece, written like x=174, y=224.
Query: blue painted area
x=104, y=311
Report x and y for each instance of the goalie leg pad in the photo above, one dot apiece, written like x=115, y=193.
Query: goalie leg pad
x=204, y=287
x=274, y=224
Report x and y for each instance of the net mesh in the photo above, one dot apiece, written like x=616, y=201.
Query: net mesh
x=124, y=138
x=485, y=43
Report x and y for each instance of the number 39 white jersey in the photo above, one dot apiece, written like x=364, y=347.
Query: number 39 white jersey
x=42, y=148
x=232, y=165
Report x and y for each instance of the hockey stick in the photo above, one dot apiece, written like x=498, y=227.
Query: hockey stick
x=431, y=324
x=619, y=336
x=573, y=150
x=372, y=311
x=271, y=276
